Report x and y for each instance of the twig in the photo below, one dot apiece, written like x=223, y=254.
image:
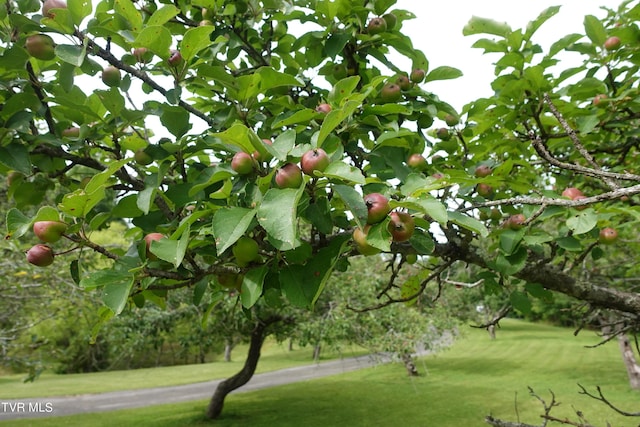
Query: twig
x=604, y=400
x=576, y=141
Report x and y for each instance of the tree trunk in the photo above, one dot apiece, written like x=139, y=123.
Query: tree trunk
x=410, y=365
x=316, y=352
x=225, y=387
x=492, y=331
x=629, y=359
x=228, y=346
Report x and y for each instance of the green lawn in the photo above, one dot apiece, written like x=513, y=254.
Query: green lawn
x=459, y=387
x=274, y=356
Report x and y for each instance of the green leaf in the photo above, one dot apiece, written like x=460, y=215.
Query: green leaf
x=344, y=172
x=252, y=284
x=156, y=38
x=240, y=136
x=422, y=242
x=511, y=264
x=479, y=25
x=569, y=244
x=546, y=14
x=270, y=78
x=116, y=294
x=170, y=250
x=163, y=15
x=128, y=11
x=379, y=236
x=595, y=30
x=343, y=89
x=337, y=116
x=520, y=301
x=510, y=240
x=278, y=215
x=353, y=202
x=79, y=9
x=583, y=222
x=112, y=100
x=229, y=224
x=62, y=21
x=443, y=73
x=194, y=40
x=175, y=119
x=300, y=116
x=469, y=223
x=302, y=285
x=16, y=157
x=17, y=224
x=47, y=213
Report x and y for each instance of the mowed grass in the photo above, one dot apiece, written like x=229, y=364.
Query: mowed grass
x=274, y=356
x=459, y=387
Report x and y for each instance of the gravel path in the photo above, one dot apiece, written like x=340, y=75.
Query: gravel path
x=112, y=401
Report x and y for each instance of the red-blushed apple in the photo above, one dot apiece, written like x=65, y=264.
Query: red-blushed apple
x=417, y=75
x=437, y=175
x=362, y=246
x=242, y=163
x=263, y=157
x=40, y=46
x=417, y=161
x=401, y=226
x=377, y=207
x=245, y=250
x=314, y=160
x=111, y=76
x=404, y=82
x=482, y=171
x=376, y=26
x=141, y=54
x=608, y=236
x=572, y=193
x=323, y=108
x=515, y=222
x=443, y=134
x=289, y=176
x=612, y=43
x=390, y=92
x=451, y=120
x=175, y=59
x=40, y=255
x=484, y=190
x=598, y=100
x=49, y=231
x=52, y=4
x=152, y=237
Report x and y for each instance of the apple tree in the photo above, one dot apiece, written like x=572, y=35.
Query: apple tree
x=246, y=142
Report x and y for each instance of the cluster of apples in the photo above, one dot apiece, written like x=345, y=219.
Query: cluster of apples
x=392, y=90
x=288, y=175
x=607, y=235
x=41, y=254
x=401, y=224
x=41, y=46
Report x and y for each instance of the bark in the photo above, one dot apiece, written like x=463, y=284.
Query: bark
x=228, y=346
x=316, y=352
x=629, y=359
x=410, y=365
x=225, y=387
x=598, y=294
x=492, y=331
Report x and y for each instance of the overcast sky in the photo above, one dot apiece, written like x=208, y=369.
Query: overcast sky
x=437, y=31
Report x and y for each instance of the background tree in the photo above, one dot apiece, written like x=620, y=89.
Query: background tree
x=188, y=121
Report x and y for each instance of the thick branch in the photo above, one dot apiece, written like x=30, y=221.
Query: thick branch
x=554, y=279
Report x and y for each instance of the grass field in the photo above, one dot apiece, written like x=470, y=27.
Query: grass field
x=274, y=356
x=459, y=387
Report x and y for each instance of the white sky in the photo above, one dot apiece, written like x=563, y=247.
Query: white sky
x=437, y=31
